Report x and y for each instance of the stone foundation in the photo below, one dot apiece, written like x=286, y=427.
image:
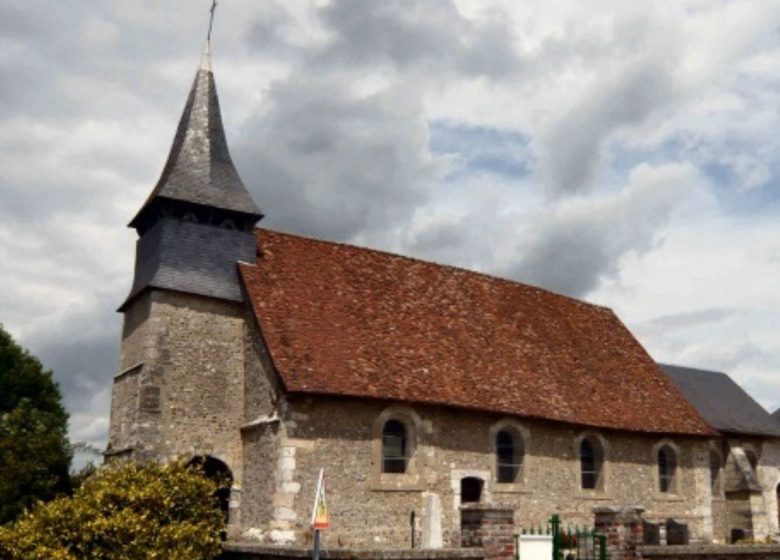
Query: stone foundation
x=253, y=551
x=711, y=552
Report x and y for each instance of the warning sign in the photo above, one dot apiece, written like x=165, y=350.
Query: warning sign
x=319, y=517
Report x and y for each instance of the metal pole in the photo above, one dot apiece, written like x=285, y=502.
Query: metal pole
x=315, y=553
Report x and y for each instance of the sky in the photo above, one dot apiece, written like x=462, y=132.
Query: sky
x=624, y=153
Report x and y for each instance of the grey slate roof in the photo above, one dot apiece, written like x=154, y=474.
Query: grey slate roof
x=192, y=258
x=199, y=168
x=722, y=403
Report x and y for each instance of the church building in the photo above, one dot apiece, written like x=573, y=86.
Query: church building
x=420, y=388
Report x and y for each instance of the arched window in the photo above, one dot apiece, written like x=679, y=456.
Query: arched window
x=394, y=447
x=667, y=468
x=509, y=456
x=591, y=463
x=715, y=473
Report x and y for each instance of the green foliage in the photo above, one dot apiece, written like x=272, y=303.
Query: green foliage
x=123, y=512
x=34, y=451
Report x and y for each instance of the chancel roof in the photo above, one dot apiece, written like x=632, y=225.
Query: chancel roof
x=199, y=169
x=723, y=403
x=343, y=320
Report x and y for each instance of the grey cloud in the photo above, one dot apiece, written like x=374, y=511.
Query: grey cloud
x=336, y=165
x=728, y=358
x=575, y=246
x=83, y=362
x=574, y=146
x=430, y=35
x=437, y=239
x=691, y=319
x=269, y=30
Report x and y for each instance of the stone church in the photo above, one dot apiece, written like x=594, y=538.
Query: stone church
x=419, y=388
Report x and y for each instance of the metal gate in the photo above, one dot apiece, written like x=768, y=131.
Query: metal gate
x=576, y=543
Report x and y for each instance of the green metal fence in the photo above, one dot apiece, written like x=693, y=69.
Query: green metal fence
x=575, y=543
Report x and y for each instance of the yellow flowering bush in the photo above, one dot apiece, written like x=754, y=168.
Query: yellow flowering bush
x=123, y=512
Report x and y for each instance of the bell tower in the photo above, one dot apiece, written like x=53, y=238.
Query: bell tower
x=179, y=391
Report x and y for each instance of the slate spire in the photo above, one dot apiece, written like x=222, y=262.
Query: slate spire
x=199, y=170
x=198, y=222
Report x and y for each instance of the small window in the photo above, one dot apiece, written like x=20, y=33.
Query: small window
x=509, y=457
x=471, y=489
x=667, y=466
x=394, y=447
x=591, y=462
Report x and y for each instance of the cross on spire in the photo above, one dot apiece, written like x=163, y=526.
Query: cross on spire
x=211, y=20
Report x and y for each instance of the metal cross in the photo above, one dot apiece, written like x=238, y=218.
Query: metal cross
x=211, y=21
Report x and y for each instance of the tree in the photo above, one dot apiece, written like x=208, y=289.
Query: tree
x=125, y=511
x=34, y=451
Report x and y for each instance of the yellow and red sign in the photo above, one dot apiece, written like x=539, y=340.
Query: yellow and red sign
x=319, y=517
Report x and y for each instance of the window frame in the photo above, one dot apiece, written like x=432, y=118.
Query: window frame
x=673, y=478
x=403, y=457
x=521, y=438
x=410, y=479
x=600, y=447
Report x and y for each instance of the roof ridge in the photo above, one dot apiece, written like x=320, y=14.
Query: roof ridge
x=440, y=265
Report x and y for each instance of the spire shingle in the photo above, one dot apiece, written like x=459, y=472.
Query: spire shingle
x=199, y=169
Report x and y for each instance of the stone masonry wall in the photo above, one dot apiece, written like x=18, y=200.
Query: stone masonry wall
x=189, y=399
x=769, y=477
x=374, y=510
x=711, y=552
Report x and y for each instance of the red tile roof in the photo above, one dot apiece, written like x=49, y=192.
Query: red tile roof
x=343, y=320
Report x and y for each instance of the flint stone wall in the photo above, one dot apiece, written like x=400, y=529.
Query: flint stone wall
x=185, y=398
x=373, y=510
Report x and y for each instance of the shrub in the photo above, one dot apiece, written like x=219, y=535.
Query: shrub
x=123, y=512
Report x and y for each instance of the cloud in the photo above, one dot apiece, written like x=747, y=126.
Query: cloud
x=579, y=243
x=428, y=37
x=336, y=164
x=573, y=146
x=691, y=319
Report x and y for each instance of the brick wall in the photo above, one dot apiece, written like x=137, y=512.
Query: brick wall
x=490, y=527
x=623, y=527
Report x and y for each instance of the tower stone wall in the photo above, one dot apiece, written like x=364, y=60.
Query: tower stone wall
x=182, y=395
